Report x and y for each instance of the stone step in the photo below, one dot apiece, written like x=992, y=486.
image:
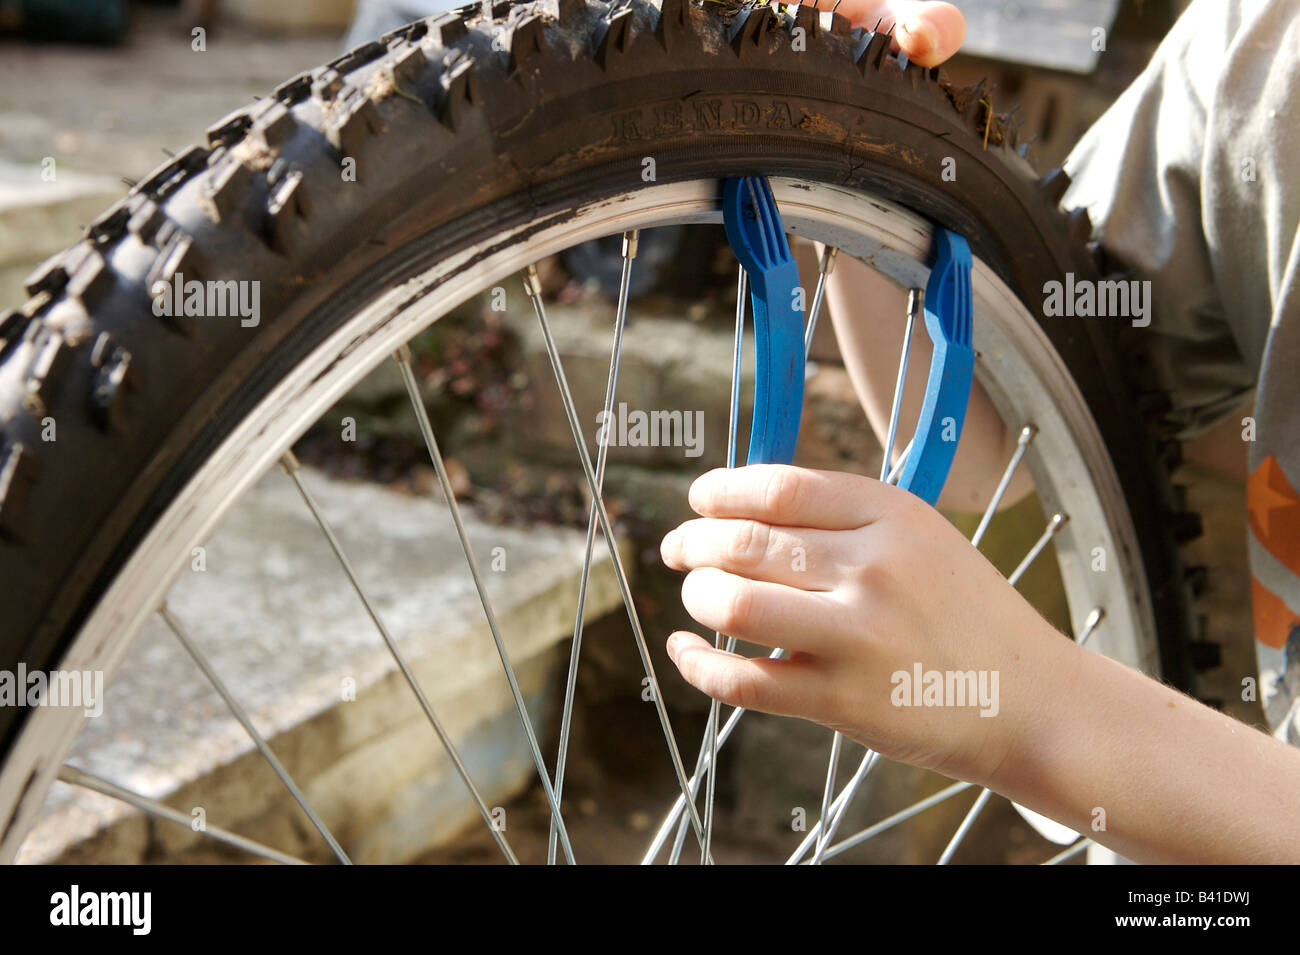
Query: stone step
x=293, y=14
x=669, y=366
x=279, y=623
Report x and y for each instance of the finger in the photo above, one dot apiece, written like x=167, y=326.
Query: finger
x=785, y=687
x=760, y=612
x=928, y=31
x=799, y=558
x=792, y=497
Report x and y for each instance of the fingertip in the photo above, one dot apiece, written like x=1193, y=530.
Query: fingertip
x=703, y=489
x=918, y=39
x=702, y=581
x=679, y=642
x=670, y=547
x=933, y=34
x=690, y=583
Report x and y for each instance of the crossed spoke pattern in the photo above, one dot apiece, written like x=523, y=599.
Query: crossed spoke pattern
x=915, y=303
x=290, y=466
x=733, y=426
x=684, y=815
x=76, y=777
x=238, y=712
x=838, y=807
x=833, y=809
x=630, y=241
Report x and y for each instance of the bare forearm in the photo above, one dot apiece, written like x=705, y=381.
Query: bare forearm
x=1171, y=780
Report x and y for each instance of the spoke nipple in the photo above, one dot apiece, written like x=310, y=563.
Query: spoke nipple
x=289, y=462
x=630, y=242
x=828, y=259
x=402, y=354
x=1058, y=521
x=915, y=302
x=1027, y=433
x=532, y=283
x=1090, y=624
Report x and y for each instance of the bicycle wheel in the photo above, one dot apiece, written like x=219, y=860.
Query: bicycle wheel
x=369, y=197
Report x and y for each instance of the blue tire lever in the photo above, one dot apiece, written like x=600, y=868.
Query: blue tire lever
x=757, y=236
x=948, y=321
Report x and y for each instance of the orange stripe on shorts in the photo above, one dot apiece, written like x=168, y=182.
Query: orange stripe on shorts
x=1274, y=620
x=1273, y=510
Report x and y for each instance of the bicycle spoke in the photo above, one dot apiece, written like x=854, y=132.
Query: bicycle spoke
x=1069, y=852
x=825, y=267
x=709, y=743
x=403, y=358
x=868, y=763
x=630, y=241
x=733, y=428
x=897, y=469
x=289, y=464
x=238, y=712
x=1054, y=526
x=832, y=767
x=981, y=801
x=899, y=817
x=813, y=836
x=1090, y=624
x=693, y=786
x=707, y=757
x=737, y=343
x=1027, y=434
x=533, y=288
x=77, y=777
x=915, y=305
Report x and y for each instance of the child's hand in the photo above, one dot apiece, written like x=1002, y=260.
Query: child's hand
x=859, y=580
